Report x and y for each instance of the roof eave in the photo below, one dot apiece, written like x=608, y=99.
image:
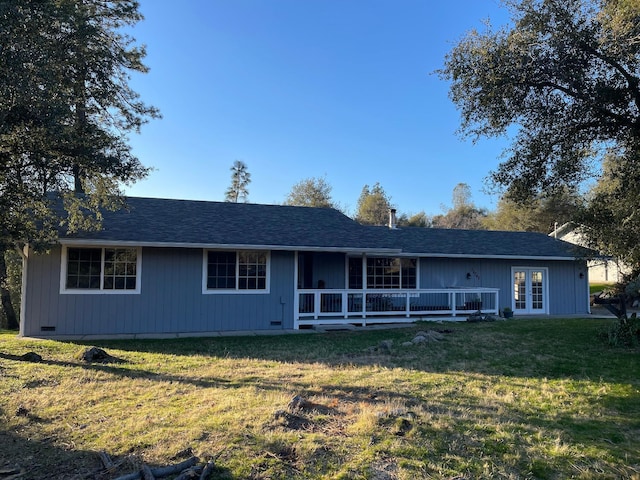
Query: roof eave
x=498, y=257
x=235, y=246
x=305, y=248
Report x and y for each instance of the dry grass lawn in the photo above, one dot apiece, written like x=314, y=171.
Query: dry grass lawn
x=538, y=399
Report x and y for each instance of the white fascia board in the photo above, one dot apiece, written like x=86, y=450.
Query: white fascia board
x=303, y=248
x=494, y=257
x=228, y=246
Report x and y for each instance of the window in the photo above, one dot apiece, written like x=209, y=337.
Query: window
x=83, y=267
x=221, y=270
x=383, y=272
x=390, y=272
x=245, y=271
x=355, y=272
x=120, y=266
x=100, y=270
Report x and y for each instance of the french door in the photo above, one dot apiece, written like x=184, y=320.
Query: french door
x=530, y=292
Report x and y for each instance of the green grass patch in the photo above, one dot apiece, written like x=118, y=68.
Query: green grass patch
x=599, y=287
x=544, y=398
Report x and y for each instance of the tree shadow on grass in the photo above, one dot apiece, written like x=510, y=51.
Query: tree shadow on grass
x=41, y=459
x=116, y=369
x=546, y=349
x=443, y=417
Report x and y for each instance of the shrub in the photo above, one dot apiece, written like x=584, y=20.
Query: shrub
x=625, y=332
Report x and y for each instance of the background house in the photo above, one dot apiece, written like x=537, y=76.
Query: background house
x=601, y=270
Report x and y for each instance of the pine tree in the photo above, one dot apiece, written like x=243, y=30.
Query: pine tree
x=240, y=179
x=65, y=111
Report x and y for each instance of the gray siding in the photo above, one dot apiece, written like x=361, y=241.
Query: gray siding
x=171, y=299
x=568, y=293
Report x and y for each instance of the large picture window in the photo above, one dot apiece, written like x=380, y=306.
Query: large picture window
x=236, y=271
x=100, y=270
x=386, y=272
x=383, y=272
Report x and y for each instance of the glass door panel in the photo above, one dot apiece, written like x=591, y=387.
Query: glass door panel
x=529, y=290
x=519, y=290
x=537, y=290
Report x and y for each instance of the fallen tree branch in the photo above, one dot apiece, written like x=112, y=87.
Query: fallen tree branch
x=161, y=472
x=208, y=469
x=146, y=473
x=106, y=460
x=190, y=473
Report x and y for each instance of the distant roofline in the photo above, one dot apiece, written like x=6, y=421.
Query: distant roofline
x=563, y=229
x=126, y=197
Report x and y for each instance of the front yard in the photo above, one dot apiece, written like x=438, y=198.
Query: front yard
x=513, y=399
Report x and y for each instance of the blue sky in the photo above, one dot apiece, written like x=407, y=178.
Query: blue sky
x=341, y=89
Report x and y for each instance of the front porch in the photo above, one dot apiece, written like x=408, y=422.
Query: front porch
x=342, y=306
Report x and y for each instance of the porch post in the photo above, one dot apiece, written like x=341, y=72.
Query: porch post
x=345, y=303
x=452, y=300
x=364, y=289
x=407, y=304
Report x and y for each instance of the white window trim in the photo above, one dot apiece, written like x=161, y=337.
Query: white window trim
x=545, y=289
x=98, y=291
x=234, y=291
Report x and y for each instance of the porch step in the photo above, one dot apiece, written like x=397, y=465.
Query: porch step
x=334, y=328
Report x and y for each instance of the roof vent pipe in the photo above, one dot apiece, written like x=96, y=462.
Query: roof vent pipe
x=392, y=218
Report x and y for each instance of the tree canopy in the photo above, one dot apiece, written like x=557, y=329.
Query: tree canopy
x=66, y=109
x=373, y=206
x=566, y=74
x=240, y=180
x=464, y=214
x=611, y=221
x=420, y=219
x=311, y=192
x=539, y=214
x=563, y=83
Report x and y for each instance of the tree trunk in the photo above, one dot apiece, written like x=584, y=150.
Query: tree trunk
x=5, y=296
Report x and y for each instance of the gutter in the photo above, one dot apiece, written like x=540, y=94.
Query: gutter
x=302, y=248
x=238, y=246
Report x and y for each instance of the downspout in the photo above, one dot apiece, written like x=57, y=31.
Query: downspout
x=24, y=254
x=588, y=293
x=364, y=289
x=296, y=295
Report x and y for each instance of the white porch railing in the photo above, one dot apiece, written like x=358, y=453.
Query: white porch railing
x=315, y=306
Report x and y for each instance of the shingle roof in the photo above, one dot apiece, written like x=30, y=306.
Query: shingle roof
x=149, y=221
x=186, y=222
x=479, y=243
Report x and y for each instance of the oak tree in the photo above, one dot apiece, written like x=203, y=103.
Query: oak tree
x=541, y=213
x=611, y=220
x=562, y=81
x=311, y=192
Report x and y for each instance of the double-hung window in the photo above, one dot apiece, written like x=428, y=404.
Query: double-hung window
x=100, y=270
x=241, y=271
